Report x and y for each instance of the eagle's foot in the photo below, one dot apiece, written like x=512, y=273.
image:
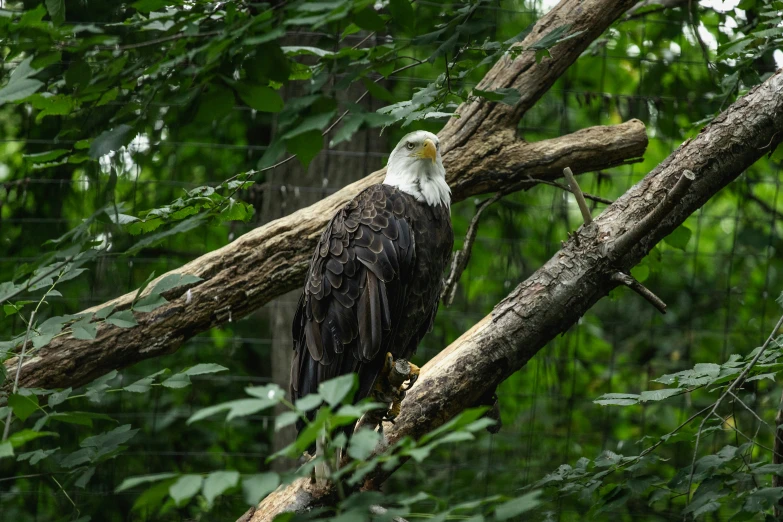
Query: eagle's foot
x=414, y=376
x=396, y=406
x=391, y=387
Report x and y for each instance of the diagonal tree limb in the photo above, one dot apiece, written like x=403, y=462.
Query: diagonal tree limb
x=272, y=259
x=568, y=285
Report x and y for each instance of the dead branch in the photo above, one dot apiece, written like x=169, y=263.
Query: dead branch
x=578, y=195
x=636, y=286
x=553, y=298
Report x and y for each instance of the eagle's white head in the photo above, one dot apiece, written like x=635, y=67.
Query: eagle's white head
x=415, y=167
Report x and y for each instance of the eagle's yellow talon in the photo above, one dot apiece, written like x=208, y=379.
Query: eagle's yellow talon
x=414, y=376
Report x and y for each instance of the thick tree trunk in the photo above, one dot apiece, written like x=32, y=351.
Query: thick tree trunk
x=555, y=296
x=481, y=153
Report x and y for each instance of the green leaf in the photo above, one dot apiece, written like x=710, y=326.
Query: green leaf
x=23, y=406
x=305, y=146
x=19, y=89
x=183, y=226
x=658, y=395
x=363, y=443
x=368, y=19
x=316, y=122
x=285, y=419
x=214, y=104
x=43, y=157
x=204, y=368
x=177, y=381
x=6, y=449
x=378, y=91
x=256, y=487
x=402, y=13
x=96, y=390
x=334, y=391
x=110, y=140
x=679, y=237
x=260, y=97
x=149, y=303
x=83, y=329
x=132, y=482
x=109, y=440
x=617, y=399
x=269, y=392
x=237, y=408
x=348, y=128
x=144, y=385
x=185, y=488
x=309, y=402
x=23, y=436
x=59, y=397
x=81, y=418
x=217, y=483
x=85, y=477
x=508, y=96
x=123, y=319
x=34, y=457
x=171, y=281
x=104, y=312
x=297, y=50
x=762, y=499
x=516, y=507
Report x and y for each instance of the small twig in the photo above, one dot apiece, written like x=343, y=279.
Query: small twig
x=640, y=289
x=704, y=51
x=580, y=198
x=737, y=430
x=591, y=197
x=730, y=389
x=163, y=39
x=7, y=426
x=460, y=259
x=762, y=421
x=630, y=238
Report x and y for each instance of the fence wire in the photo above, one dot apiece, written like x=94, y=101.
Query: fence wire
x=545, y=423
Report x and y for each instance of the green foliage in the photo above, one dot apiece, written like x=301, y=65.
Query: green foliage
x=124, y=130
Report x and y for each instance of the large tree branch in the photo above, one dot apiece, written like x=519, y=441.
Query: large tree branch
x=272, y=259
x=555, y=296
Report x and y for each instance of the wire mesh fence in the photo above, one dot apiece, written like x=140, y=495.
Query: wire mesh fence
x=728, y=268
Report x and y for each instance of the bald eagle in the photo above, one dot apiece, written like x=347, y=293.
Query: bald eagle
x=375, y=277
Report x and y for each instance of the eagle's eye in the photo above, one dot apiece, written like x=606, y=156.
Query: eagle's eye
x=410, y=145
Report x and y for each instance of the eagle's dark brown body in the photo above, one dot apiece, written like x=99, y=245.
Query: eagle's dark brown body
x=373, y=287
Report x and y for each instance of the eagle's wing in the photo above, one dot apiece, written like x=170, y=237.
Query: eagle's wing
x=354, y=293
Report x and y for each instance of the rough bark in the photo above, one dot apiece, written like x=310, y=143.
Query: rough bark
x=481, y=153
x=555, y=296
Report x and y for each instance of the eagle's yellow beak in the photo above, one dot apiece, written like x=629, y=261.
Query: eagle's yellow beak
x=428, y=150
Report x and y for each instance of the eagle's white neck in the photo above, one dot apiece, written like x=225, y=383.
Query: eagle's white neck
x=422, y=179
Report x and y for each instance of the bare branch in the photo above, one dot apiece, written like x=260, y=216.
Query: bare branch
x=597, y=199
x=461, y=258
x=636, y=286
x=577, y=192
